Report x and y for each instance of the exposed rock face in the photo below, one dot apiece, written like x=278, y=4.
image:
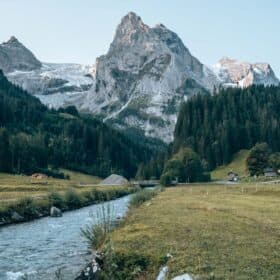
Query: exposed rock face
x=14, y=56
x=144, y=77
x=234, y=73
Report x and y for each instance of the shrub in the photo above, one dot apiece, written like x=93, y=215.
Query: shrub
x=165, y=179
x=119, y=265
x=73, y=199
x=26, y=207
x=57, y=200
x=142, y=196
x=96, y=233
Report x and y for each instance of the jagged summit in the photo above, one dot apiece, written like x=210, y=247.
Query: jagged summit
x=133, y=20
x=146, y=71
x=12, y=40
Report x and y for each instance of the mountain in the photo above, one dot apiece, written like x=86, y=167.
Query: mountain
x=16, y=57
x=140, y=83
x=144, y=77
x=62, y=82
x=234, y=73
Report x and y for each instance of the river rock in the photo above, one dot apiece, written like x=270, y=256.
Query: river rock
x=163, y=273
x=16, y=217
x=55, y=212
x=183, y=277
x=90, y=272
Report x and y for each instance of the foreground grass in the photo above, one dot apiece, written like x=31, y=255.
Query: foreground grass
x=213, y=232
x=237, y=165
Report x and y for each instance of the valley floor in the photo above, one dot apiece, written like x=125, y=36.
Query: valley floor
x=32, y=198
x=212, y=232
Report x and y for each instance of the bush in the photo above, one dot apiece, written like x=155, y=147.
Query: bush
x=165, y=179
x=141, y=197
x=26, y=208
x=96, y=234
x=73, y=199
x=57, y=200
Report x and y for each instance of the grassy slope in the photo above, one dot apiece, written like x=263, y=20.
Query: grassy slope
x=15, y=187
x=237, y=165
x=232, y=232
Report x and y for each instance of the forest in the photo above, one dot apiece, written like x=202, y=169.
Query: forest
x=218, y=126
x=34, y=138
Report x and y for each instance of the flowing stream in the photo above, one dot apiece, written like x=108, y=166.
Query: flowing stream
x=40, y=248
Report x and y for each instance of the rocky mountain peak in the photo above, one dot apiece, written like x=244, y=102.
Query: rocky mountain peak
x=132, y=20
x=144, y=77
x=12, y=41
x=128, y=31
x=15, y=56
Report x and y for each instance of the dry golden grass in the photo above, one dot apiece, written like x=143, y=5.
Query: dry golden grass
x=237, y=165
x=16, y=187
x=213, y=232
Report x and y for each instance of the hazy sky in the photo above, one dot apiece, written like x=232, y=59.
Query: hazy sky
x=81, y=30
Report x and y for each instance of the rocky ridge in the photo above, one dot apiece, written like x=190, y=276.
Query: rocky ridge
x=140, y=82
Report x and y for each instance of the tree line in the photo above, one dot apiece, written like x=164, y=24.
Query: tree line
x=218, y=126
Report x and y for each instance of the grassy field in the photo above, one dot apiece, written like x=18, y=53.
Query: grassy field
x=237, y=165
x=15, y=187
x=212, y=232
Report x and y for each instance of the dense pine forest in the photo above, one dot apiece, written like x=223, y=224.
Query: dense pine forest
x=218, y=126
x=34, y=138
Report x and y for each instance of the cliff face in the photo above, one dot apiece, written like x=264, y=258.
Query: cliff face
x=144, y=77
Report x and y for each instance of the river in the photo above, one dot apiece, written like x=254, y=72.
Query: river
x=40, y=248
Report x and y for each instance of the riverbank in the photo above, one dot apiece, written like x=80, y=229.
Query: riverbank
x=207, y=231
x=24, y=199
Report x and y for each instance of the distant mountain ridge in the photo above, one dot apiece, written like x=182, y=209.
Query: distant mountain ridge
x=140, y=83
x=15, y=56
x=234, y=73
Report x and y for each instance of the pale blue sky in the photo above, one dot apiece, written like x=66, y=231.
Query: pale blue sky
x=81, y=30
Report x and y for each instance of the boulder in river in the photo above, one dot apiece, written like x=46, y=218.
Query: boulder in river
x=16, y=217
x=55, y=212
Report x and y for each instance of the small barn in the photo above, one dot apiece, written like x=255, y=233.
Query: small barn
x=232, y=176
x=39, y=176
x=269, y=172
